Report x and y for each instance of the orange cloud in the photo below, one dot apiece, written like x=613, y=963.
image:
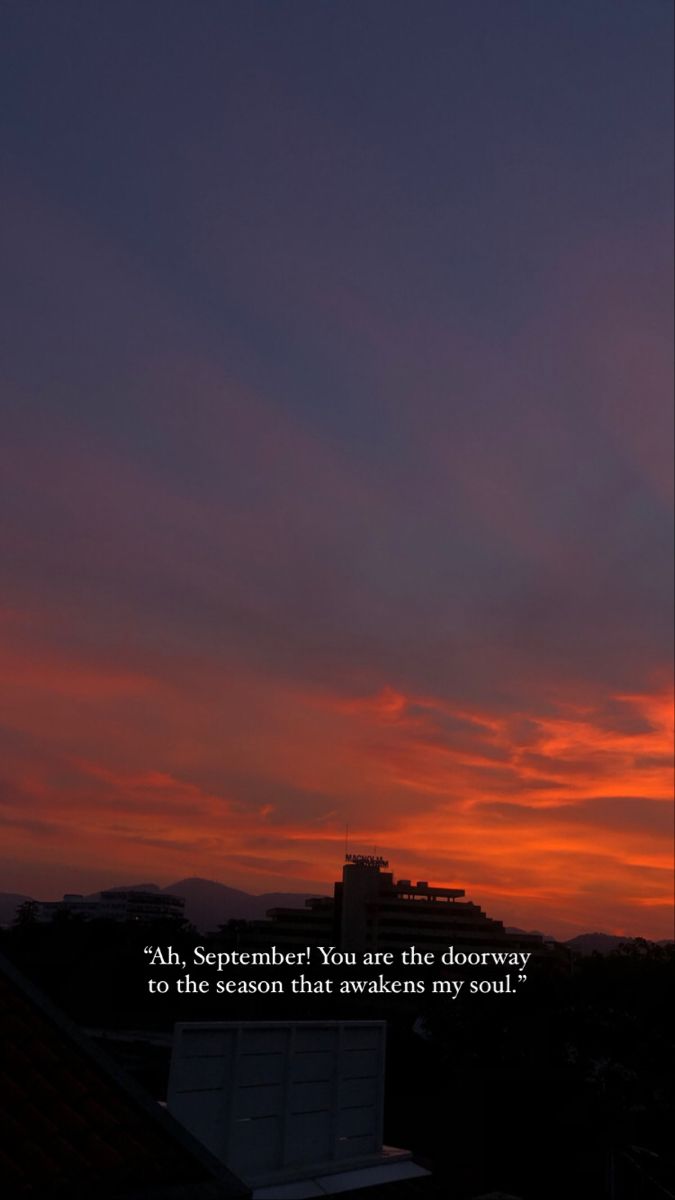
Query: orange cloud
x=556, y=818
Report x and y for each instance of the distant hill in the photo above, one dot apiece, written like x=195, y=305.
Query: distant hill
x=548, y=937
x=209, y=904
x=590, y=943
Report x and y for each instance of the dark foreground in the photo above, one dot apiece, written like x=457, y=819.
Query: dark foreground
x=563, y=1088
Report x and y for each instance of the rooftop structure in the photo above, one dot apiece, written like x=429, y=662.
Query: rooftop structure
x=294, y=1107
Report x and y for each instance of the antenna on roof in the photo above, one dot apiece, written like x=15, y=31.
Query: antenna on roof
x=346, y=838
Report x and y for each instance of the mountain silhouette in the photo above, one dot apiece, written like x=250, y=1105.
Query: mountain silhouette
x=590, y=943
x=209, y=904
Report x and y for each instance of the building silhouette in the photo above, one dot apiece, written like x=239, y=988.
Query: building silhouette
x=118, y=904
x=370, y=910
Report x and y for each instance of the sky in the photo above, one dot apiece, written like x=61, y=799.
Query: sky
x=336, y=478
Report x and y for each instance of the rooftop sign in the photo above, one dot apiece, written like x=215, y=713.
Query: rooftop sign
x=366, y=860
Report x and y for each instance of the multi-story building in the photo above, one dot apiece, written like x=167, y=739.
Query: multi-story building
x=125, y=904
x=370, y=910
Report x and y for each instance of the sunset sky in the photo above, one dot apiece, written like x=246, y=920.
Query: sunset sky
x=336, y=449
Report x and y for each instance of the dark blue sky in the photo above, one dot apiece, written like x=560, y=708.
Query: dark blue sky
x=337, y=383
